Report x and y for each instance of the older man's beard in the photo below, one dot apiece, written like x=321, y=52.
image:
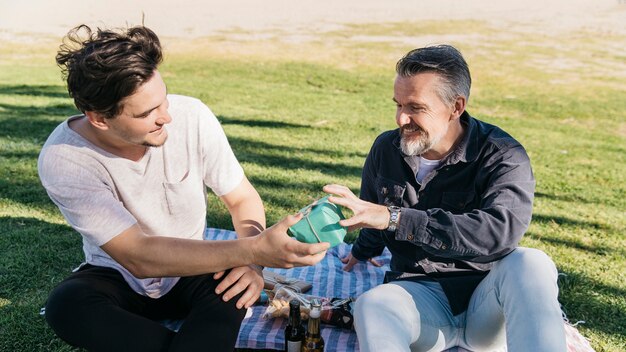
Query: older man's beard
x=415, y=141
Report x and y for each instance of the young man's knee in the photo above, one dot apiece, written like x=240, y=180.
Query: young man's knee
x=226, y=311
x=233, y=316
x=63, y=309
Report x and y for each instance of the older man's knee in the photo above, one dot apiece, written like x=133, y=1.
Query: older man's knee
x=526, y=273
x=387, y=301
x=374, y=300
x=528, y=261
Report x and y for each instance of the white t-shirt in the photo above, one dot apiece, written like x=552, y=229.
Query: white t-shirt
x=426, y=166
x=101, y=194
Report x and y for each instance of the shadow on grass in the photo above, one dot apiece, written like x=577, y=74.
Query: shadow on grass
x=599, y=250
x=287, y=199
x=267, y=154
x=330, y=151
x=33, y=251
x=258, y=123
x=310, y=191
x=34, y=256
x=575, y=198
x=567, y=222
x=24, y=190
x=564, y=198
x=49, y=91
x=32, y=123
x=24, y=130
x=583, y=298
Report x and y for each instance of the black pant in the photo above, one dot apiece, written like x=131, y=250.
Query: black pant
x=95, y=309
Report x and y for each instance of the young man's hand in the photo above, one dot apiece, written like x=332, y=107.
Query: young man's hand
x=244, y=278
x=275, y=249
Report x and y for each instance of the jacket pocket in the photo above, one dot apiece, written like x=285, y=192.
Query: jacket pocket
x=389, y=192
x=457, y=202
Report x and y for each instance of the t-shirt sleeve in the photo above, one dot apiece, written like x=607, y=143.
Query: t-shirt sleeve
x=89, y=206
x=222, y=171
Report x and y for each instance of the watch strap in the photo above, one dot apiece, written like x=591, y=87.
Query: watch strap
x=394, y=218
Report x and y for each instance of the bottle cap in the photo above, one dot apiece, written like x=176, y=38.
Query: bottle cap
x=316, y=308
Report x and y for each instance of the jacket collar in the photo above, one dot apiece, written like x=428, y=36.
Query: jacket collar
x=467, y=150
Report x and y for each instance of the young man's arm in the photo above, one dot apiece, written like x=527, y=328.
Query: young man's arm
x=246, y=209
x=159, y=256
x=248, y=216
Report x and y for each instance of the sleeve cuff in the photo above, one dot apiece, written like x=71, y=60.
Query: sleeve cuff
x=412, y=226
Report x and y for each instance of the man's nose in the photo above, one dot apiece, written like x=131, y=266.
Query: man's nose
x=402, y=118
x=164, y=118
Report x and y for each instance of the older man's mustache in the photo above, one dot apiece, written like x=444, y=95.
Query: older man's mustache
x=411, y=129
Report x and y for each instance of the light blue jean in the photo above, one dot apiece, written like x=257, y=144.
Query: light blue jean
x=514, y=306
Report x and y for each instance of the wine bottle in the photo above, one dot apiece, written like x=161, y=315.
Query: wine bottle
x=313, y=341
x=294, y=332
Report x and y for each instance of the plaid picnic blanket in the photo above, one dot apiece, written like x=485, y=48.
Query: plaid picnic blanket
x=328, y=279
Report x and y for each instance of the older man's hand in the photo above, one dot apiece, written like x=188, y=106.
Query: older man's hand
x=366, y=214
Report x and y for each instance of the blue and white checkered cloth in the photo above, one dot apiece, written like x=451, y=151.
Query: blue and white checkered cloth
x=328, y=280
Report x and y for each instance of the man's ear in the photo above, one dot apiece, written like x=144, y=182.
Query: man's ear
x=97, y=120
x=459, y=107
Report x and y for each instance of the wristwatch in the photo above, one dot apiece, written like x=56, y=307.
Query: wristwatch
x=394, y=217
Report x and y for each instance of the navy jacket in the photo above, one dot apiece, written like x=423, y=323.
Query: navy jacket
x=469, y=212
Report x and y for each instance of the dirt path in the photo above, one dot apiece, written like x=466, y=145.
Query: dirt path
x=196, y=18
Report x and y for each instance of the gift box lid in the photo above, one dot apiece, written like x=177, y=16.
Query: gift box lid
x=320, y=223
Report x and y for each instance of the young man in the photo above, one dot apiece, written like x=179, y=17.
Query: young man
x=130, y=175
x=451, y=197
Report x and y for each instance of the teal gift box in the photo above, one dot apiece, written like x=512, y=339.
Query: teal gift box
x=320, y=223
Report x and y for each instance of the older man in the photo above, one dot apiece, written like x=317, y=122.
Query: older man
x=451, y=197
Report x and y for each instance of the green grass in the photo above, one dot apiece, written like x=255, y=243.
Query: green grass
x=301, y=115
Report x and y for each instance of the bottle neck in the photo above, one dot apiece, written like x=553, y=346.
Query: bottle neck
x=294, y=317
x=313, y=328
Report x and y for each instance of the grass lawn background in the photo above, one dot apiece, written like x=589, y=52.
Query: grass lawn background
x=301, y=114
